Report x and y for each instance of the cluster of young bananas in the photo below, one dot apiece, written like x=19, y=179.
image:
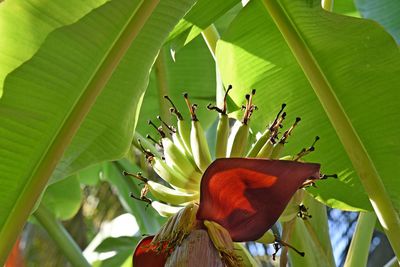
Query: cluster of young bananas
x=186, y=154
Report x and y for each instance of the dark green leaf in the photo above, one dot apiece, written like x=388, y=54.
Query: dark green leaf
x=51, y=97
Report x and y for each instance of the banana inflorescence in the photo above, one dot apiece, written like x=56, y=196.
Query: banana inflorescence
x=185, y=154
x=182, y=154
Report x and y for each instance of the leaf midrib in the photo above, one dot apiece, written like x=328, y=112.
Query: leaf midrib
x=354, y=147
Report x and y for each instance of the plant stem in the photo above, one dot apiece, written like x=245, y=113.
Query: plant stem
x=211, y=36
x=359, y=247
x=354, y=147
x=60, y=236
x=327, y=5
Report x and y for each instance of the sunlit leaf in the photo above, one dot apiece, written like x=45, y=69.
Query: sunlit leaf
x=35, y=20
x=203, y=13
x=360, y=61
x=46, y=100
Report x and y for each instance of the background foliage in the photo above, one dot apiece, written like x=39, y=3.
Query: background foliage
x=68, y=112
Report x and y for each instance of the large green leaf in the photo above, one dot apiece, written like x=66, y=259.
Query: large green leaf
x=47, y=98
x=202, y=14
x=22, y=34
x=385, y=12
x=361, y=63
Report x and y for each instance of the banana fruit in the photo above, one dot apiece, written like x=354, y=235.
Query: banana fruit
x=183, y=154
x=222, y=127
x=164, y=193
x=237, y=142
x=165, y=210
x=198, y=142
x=268, y=133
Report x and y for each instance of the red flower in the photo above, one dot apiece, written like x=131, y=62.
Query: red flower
x=247, y=196
x=244, y=196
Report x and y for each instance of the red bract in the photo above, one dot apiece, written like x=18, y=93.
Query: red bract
x=147, y=255
x=247, y=196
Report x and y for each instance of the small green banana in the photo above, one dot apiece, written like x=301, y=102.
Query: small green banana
x=177, y=140
x=267, y=133
x=255, y=149
x=266, y=150
x=163, y=193
x=171, y=176
x=174, y=178
x=267, y=238
x=237, y=142
x=222, y=136
x=305, y=151
x=176, y=157
x=184, y=133
x=222, y=127
x=179, y=161
x=165, y=210
x=183, y=126
x=278, y=148
x=238, y=139
x=292, y=208
x=198, y=142
x=171, y=196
